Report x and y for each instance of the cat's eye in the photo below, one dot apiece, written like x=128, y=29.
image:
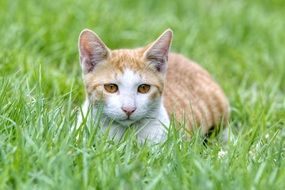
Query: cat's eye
x=111, y=88
x=143, y=88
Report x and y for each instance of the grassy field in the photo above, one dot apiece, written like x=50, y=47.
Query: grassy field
x=240, y=42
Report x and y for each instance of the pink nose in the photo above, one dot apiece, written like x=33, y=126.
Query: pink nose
x=129, y=110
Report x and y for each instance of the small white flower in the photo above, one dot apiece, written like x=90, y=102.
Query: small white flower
x=267, y=136
x=222, y=154
x=258, y=146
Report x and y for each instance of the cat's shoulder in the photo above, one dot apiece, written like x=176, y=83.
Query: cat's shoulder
x=181, y=63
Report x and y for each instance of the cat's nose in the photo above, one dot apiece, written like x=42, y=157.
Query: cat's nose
x=129, y=110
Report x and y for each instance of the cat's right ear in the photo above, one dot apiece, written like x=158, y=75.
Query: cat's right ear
x=92, y=50
x=157, y=53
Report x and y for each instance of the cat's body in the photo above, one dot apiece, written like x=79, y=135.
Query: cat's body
x=142, y=87
x=196, y=98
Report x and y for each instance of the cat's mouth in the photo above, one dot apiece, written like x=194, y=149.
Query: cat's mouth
x=132, y=120
x=126, y=122
x=127, y=119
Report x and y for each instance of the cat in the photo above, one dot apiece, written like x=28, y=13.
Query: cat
x=141, y=88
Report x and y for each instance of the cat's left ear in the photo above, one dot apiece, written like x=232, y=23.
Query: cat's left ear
x=157, y=53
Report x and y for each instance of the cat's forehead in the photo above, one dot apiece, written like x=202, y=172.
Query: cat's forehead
x=127, y=58
x=129, y=77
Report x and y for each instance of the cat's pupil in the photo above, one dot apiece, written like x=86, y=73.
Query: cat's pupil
x=143, y=88
x=111, y=88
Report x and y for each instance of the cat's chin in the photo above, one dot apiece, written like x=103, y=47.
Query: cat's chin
x=126, y=122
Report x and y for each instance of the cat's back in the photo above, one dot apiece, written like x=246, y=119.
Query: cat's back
x=190, y=93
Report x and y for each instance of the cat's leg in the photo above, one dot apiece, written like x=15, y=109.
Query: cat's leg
x=114, y=130
x=227, y=135
x=81, y=115
x=154, y=130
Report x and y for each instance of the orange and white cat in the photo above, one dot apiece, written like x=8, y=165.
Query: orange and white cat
x=141, y=88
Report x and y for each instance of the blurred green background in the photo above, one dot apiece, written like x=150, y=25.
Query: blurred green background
x=240, y=42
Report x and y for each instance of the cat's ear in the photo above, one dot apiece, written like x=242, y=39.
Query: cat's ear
x=92, y=50
x=157, y=53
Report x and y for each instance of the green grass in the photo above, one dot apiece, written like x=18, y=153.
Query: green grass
x=240, y=42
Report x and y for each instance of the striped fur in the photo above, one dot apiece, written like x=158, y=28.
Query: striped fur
x=191, y=94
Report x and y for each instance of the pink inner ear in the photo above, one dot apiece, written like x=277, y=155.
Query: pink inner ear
x=158, y=52
x=162, y=45
x=92, y=50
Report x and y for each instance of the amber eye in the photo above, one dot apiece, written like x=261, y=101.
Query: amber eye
x=111, y=88
x=143, y=88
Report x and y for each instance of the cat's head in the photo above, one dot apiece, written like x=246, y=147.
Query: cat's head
x=129, y=82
